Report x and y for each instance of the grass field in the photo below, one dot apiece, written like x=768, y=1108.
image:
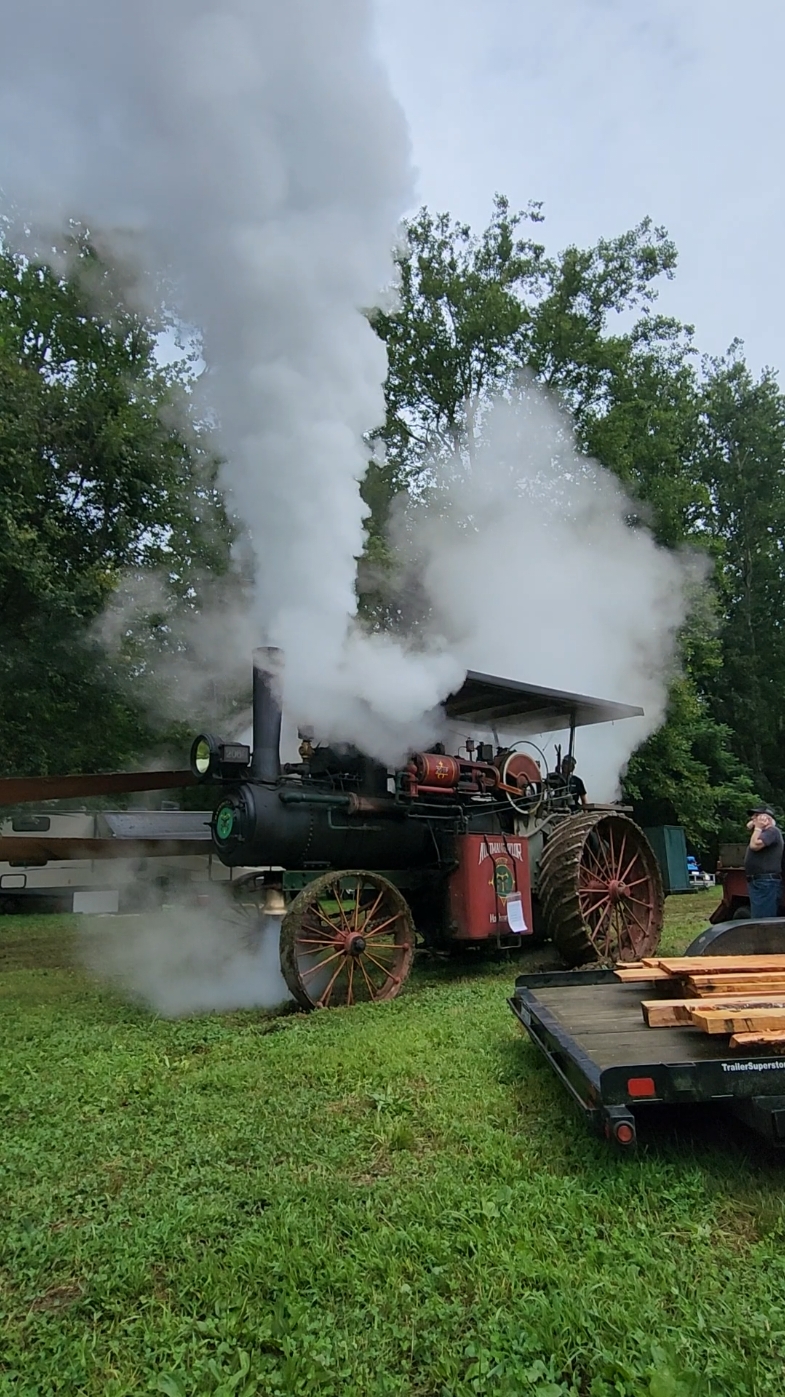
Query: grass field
x=397, y=1200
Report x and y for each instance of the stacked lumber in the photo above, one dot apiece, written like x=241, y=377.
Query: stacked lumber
x=739, y=996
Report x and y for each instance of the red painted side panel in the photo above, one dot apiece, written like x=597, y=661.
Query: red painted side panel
x=734, y=893
x=490, y=867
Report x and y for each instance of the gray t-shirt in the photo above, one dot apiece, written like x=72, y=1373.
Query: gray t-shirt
x=769, y=858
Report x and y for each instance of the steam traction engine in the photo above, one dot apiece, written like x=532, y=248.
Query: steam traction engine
x=474, y=850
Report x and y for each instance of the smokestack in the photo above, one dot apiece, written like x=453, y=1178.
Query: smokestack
x=266, y=758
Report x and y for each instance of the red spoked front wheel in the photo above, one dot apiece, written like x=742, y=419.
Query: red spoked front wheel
x=601, y=889
x=348, y=938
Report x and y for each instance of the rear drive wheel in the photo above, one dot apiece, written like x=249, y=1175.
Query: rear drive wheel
x=601, y=890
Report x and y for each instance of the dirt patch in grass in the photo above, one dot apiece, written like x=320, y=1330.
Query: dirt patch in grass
x=57, y=1297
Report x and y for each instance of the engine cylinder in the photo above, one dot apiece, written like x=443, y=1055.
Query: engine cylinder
x=435, y=770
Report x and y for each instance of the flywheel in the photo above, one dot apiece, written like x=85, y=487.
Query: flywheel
x=600, y=889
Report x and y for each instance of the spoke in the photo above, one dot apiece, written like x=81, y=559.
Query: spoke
x=595, y=929
x=341, y=913
x=594, y=892
x=628, y=925
x=336, y=930
x=619, y=929
x=388, y=938
x=313, y=935
x=610, y=932
x=603, y=897
x=595, y=920
x=372, y=912
x=601, y=872
x=620, y=926
x=325, y=995
x=606, y=920
x=621, y=854
x=371, y=990
x=385, y=969
x=378, y=929
x=630, y=865
x=635, y=882
x=356, y=903
x=323, y=945
x=628, y=897
x=602, y=862
x=349, y=992
x=595, y=912
x=632, y=941
x=606, y=844
x=391, y=963
x=312, y=969
x=592, y=883
x=638, y=923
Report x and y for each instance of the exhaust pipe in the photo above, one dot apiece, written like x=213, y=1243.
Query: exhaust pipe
x=267, y=672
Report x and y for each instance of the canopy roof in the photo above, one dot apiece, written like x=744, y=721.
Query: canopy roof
x=489, y=702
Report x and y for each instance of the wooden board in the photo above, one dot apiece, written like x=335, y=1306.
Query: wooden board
x=669, y=1013
x=729, y=1020
x=634, y=974
x=733, y=984
x=708, y=965
x=775, y=1042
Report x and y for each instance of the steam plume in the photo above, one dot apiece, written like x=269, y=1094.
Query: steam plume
x=180, y=960
x=526, y=564
x=250, y=153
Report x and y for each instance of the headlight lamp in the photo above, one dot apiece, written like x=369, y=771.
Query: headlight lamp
x=214, y=759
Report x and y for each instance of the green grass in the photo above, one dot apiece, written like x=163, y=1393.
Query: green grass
x=398, y=1200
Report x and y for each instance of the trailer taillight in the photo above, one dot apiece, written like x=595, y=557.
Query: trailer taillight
x=624, y=1133
x=641, y=1086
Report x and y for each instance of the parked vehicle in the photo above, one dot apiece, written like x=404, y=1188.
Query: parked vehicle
x=106, y=861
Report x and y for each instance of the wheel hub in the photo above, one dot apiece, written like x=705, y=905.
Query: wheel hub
x=617, y=890
x=355, y=945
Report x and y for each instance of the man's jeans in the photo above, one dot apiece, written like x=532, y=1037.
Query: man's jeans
x=764, y=895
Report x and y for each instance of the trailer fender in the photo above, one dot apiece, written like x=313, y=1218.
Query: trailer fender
x=741, y=938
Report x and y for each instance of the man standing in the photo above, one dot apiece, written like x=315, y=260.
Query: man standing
x=575, y=787
x=763, y=863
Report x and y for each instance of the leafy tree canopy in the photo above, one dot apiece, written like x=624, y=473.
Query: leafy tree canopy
x=700, y=447
x=99, y=475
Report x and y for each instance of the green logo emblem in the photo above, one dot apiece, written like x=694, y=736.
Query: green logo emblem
x=503, y=880
x=224, y=822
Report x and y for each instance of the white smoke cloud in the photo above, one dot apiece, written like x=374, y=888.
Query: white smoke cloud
x=251, y=154
x=180, y=960
x=530, y=569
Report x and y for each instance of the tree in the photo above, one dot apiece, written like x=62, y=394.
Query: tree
x=459, y=332
x=476, y=316
x=474, y=311
x=742, y=441
x=100, y=473
x=687, y=772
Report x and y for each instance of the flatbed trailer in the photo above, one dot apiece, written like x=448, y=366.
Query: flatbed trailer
x=589, y=1027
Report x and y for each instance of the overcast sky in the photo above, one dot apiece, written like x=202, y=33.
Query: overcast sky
x=608, y=110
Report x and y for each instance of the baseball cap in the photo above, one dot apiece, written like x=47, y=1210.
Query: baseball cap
x=762, y=810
